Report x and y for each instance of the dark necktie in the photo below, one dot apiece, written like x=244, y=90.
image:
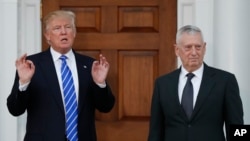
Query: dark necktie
x=70, y=101
x=187, y=96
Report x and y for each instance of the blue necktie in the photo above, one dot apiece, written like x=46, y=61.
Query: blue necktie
x=70, y=101
x=187, y=96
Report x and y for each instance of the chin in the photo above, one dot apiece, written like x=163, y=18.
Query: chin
x=65, y=47
x=194, y=65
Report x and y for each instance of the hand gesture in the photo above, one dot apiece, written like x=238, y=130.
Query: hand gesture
x=100, y=70
x=25, y=69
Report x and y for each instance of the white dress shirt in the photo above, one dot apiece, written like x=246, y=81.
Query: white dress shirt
x=71, y=62
x=196, y=81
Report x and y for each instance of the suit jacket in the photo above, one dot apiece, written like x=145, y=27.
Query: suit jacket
x=43, y=101
x=218, y=102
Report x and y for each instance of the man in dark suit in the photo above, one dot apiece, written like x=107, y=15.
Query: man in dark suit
x=214, y=98
x=38, y=87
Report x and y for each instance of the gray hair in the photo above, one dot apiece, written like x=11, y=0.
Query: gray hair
x=59, y=13
x=189, y=29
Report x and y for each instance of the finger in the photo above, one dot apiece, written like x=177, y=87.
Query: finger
x=95, y=63
x=30, y=64
x=100, y=58
x=103, y=60
x=21, y=59
x=107, y=65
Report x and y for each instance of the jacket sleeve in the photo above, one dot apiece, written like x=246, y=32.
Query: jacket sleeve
x=17, y=100
x=233, y=104
x=156, y=129
x=104, y=100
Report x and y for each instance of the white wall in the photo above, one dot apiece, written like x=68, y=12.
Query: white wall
x=29, y=41
x=225, y=23
x=231, y=43
x=20, y=33
x=8, y=40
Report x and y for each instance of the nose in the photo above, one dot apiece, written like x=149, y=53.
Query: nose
x=193, y=50
x=63, y=30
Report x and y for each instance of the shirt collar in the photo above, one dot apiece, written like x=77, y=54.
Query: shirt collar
x=198, y=73
x=56, y=55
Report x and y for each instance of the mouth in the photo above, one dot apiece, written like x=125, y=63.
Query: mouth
x=64, y=40
x=193, y=59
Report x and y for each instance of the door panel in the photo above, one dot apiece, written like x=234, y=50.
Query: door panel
x=134, y=98
x=137, y=38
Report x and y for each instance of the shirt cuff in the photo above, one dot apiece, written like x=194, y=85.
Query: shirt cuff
x=101, y=85
x=23, y=87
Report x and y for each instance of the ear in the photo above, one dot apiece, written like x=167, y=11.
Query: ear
x=176, y=50
x=75, y=32
x=205, y=46
x=47, y=36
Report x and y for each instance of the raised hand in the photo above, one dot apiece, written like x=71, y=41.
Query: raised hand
x=25, y=69
x=100, y=70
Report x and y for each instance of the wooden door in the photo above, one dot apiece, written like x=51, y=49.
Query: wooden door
x=137, y=37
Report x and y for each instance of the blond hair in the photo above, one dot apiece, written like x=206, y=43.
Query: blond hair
x=55, y=14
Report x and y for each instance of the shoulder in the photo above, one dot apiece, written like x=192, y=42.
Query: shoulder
x=37, y=56
x=169, y=76
x=216, y=70
x=218, y=73
x=83, y=57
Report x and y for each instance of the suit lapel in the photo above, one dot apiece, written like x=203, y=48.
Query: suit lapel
x=49, y=72
x=83, y=70
x=175, y=81
x=174, y=90
x=207, y=84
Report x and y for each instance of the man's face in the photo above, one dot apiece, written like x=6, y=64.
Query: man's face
x=60, y=34
x=191, y=50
